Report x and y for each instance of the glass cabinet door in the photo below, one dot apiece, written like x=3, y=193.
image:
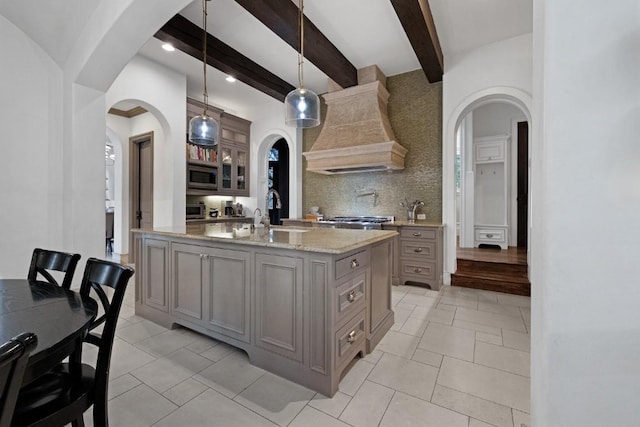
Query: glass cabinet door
x=241, y=158
x=227, y=161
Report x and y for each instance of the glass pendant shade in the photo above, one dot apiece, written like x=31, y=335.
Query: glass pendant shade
x=302, y=108
x=203, y=131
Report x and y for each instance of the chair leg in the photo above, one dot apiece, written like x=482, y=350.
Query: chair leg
x=78, y=422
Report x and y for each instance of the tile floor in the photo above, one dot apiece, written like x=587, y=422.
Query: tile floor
x=458, y=357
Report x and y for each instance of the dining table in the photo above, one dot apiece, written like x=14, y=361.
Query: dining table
x=59, y=317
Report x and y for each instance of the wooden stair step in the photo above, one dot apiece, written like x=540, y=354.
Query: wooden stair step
x=468, y=266
x=491, y=284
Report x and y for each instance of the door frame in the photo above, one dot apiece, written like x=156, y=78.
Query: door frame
x=134, y=177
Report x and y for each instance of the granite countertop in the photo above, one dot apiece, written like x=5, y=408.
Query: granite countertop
x=417, y=223
x=325, y=240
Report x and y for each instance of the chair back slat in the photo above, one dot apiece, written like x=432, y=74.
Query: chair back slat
x=14, y=355
x=98, y=274
x=43, y=260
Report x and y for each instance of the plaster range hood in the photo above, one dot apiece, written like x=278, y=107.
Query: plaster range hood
x=356, y=135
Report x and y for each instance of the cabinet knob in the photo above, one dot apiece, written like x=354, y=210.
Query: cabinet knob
x=355, y=263
x=489, y=235
x=418, y=250
x=352, y=296
x=417, y=234
x=417, y=270
x=351, y=337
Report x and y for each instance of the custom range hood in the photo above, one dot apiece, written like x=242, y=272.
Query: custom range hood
x=356, y=135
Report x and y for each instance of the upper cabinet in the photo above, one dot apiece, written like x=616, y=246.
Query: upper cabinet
x=234, y=155
x=224, y=169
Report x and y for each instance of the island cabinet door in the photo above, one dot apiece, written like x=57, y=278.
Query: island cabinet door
x=227, y=287
x=278, y=304
x=155, y=277
x=187, y=281
x=380, y=293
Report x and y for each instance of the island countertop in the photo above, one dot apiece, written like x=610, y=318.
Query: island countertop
x=331, y=241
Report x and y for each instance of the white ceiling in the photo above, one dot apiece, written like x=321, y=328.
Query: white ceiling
x=365, y=31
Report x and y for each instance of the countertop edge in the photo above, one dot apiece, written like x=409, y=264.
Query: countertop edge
x=277, y=245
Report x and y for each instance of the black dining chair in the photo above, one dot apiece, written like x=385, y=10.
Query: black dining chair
x=14, y=355
x=65, y=393
x=43, y=260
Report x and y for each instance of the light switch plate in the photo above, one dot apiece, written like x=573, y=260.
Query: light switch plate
x=422, y=216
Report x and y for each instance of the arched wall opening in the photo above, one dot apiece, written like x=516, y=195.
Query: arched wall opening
x=509, y=95
x=295, y=183
x=122, y=129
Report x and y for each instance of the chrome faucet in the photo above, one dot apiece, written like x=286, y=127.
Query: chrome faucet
x=278, y=205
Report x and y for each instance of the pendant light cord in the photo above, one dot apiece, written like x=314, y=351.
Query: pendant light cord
x=204, y=55
x=301, y=53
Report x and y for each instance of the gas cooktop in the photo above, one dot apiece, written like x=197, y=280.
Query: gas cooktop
x=364, y=222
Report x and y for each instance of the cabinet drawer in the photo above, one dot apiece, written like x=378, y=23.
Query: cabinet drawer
x=423, y=270
x=490, y=235
x=351, y=264
x=350, y=339
x=418, y=249
x=350, y=298
x=417, y=233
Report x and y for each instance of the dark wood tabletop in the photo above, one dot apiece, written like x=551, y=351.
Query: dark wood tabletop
x=59, y=317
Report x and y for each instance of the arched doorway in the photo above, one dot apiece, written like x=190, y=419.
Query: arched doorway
x=507, y=95
x=278, y=179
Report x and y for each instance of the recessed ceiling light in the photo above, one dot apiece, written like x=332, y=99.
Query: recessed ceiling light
x=230, y=79
x=168, y=47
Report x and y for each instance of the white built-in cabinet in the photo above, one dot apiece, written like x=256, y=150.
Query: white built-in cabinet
x=491, y=205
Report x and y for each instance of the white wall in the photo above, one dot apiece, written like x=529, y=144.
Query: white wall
x=585, y=317
x=266, y=128
x=495, y=119
x=54, y=116
x=496, y=71
x=31, y=143
x=162, y=92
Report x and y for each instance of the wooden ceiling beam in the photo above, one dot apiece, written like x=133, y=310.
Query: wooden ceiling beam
x=281, y=17
x=417, y=21
x=186, y=36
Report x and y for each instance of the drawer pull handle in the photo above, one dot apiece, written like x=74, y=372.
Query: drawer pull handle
x=417, y=234
x=351, y=337
x=352, y=296
x=418, y=250
x=355, y=263
x=489, y=235
x=417, y=270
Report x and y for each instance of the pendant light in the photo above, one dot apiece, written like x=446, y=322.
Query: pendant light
x=203, y=130
x=302, y=106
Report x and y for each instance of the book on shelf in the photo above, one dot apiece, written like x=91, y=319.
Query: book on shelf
x=195, y=152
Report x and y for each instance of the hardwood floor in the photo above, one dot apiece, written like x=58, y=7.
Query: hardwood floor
x=493, y=270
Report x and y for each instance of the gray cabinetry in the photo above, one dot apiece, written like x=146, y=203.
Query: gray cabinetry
x=227, y=275
x=155, y=278
x=380, y=314
x=188, y=281
x=418, y=254
x=230, y=158
x=211, y=287
x=303, y=315
x=279, y=315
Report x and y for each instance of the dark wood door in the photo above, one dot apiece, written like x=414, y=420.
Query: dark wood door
x=523, y=182
x=141, y=183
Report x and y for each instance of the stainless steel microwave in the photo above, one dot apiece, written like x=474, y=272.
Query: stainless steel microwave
x=195, y=211
x=201, y=177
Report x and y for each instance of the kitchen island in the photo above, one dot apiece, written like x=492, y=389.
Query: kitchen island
x=302, y=303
